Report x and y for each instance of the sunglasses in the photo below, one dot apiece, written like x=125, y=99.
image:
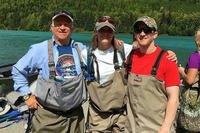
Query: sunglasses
x=106, y=18
x=63, y=12
x=146, y=30
x=106, y=29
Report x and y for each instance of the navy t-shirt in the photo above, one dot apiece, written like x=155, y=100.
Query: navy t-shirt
x=65, y=67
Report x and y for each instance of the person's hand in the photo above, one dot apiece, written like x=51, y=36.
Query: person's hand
x=118, y=43
x=181, y=69
x=172, y=56
x=135, y=44
x=32, y=102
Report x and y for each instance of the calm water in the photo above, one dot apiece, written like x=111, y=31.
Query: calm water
x=14, y=44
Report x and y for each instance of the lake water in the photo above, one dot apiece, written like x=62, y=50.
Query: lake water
x=14, y=44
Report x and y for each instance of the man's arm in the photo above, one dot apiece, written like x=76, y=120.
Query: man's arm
x=172, y=105
x=21, y=70
x=26, y=65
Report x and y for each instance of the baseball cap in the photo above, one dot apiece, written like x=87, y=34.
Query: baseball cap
x=150, y=22
x=63, y=13
x=105, y=21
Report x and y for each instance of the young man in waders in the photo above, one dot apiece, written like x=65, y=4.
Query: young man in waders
x=153, y=82
x=60, y=88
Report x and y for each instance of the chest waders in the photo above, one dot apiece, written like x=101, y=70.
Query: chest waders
x=109, y=96
x=148, y=100
x=61, y=101
x=107, y=108
x=61, y=96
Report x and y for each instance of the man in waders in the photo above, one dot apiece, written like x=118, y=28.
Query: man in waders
x=153, y=82
x=60, y=88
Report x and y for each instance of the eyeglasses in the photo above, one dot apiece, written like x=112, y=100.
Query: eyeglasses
x=106, y=18
x=146, y=30
x=64, y=12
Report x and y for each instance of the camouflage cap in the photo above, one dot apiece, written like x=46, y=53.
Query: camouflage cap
x=150, y=22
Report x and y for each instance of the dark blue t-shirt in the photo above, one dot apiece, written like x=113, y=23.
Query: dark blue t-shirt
x=65, y=67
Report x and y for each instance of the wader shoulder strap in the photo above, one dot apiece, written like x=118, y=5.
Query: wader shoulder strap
x=90, y=67
x=83, y=67
x=92, y=59
x=51, y=61
x=115, y=58
x=156, y=64
x=198, y=84
x=128, y=64
x=199, y=79
x=122, y=53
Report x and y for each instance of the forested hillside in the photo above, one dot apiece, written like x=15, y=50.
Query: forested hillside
x=174, y=17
